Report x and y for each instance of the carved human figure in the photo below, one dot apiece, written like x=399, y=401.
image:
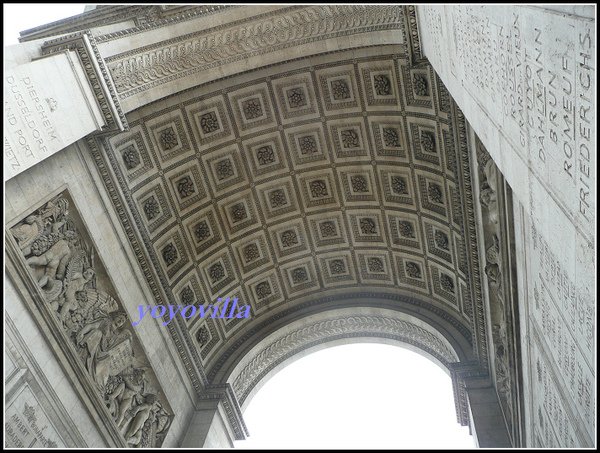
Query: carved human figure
x=90, y=302
x=501, y=362
x=493, y=267
x=54, y=260
x=492, y=253
x=491, y=174
x=74, y=283
x=100, y=337
x=122, y=396
x=163, y=421
x=141, y=413
x=488, y=186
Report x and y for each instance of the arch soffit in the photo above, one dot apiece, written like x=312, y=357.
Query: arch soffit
x=409, y=98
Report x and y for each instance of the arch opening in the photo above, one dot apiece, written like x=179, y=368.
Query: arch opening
x=369, y=394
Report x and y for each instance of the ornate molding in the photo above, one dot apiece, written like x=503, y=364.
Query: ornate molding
x=412, y=35
x=324, y=331
x=226, y=396
x=462, y=374
x=143, y=69
x=329, y=301
x=152, y=19
x=144, y=16
x=471, y=232
x=100, y=80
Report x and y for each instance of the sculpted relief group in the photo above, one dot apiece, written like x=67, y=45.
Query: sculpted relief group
x=65, y=267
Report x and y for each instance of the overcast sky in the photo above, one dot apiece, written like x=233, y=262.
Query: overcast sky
x=356, y=396
x=352, y=396
x=21, y=17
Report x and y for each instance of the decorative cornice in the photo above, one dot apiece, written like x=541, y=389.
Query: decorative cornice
x=462, y=373
x=412, y=35
x=327, y=330
x=144, y=17
x=174, y=59
x=226, y=396
x=144, y=23
x=470, y=230
x=96, y=72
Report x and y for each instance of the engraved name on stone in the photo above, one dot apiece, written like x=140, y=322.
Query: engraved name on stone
x=27, y=121
x=533, y=75
x=564, y=318
x=553, y=424
x=26, y=425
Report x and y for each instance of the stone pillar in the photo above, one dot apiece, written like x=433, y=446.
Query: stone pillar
x=478, y=405
x=54, y=94
x=524, y=77
x=487, y=422
x=217, y=421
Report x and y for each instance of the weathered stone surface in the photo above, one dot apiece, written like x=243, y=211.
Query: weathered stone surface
x=46, y=108
x=525, y=78
x=307, y=161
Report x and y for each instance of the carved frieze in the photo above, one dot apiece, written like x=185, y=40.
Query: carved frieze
x=497, y=269
x=88, y=318
x=143, y=69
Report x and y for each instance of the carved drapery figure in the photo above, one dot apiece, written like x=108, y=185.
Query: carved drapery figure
x=101, y=337
x=488, y=187
x=125, y=387
x=489, y=178
x=140, y=414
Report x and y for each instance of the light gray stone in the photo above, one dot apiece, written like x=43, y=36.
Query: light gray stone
x=48, y=106
x=368, y=213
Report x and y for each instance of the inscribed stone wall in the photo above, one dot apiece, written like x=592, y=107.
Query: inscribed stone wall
x=524, y=77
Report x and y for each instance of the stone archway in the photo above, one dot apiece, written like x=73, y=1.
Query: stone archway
x=305, y=159
x=341, y=326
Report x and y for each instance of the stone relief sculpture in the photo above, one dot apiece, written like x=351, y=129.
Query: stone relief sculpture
x=61, y=261
x=488, y=187
x=489, y=184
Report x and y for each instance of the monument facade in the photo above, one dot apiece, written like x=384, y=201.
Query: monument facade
x=419, y=175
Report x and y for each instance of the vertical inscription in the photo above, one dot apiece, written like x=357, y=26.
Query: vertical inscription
x=27, y=121
x=561, y=319
x=585, y=116
x=554, y=424
x=532, y=73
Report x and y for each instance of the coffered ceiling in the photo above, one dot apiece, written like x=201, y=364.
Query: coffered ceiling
x=331, y=175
